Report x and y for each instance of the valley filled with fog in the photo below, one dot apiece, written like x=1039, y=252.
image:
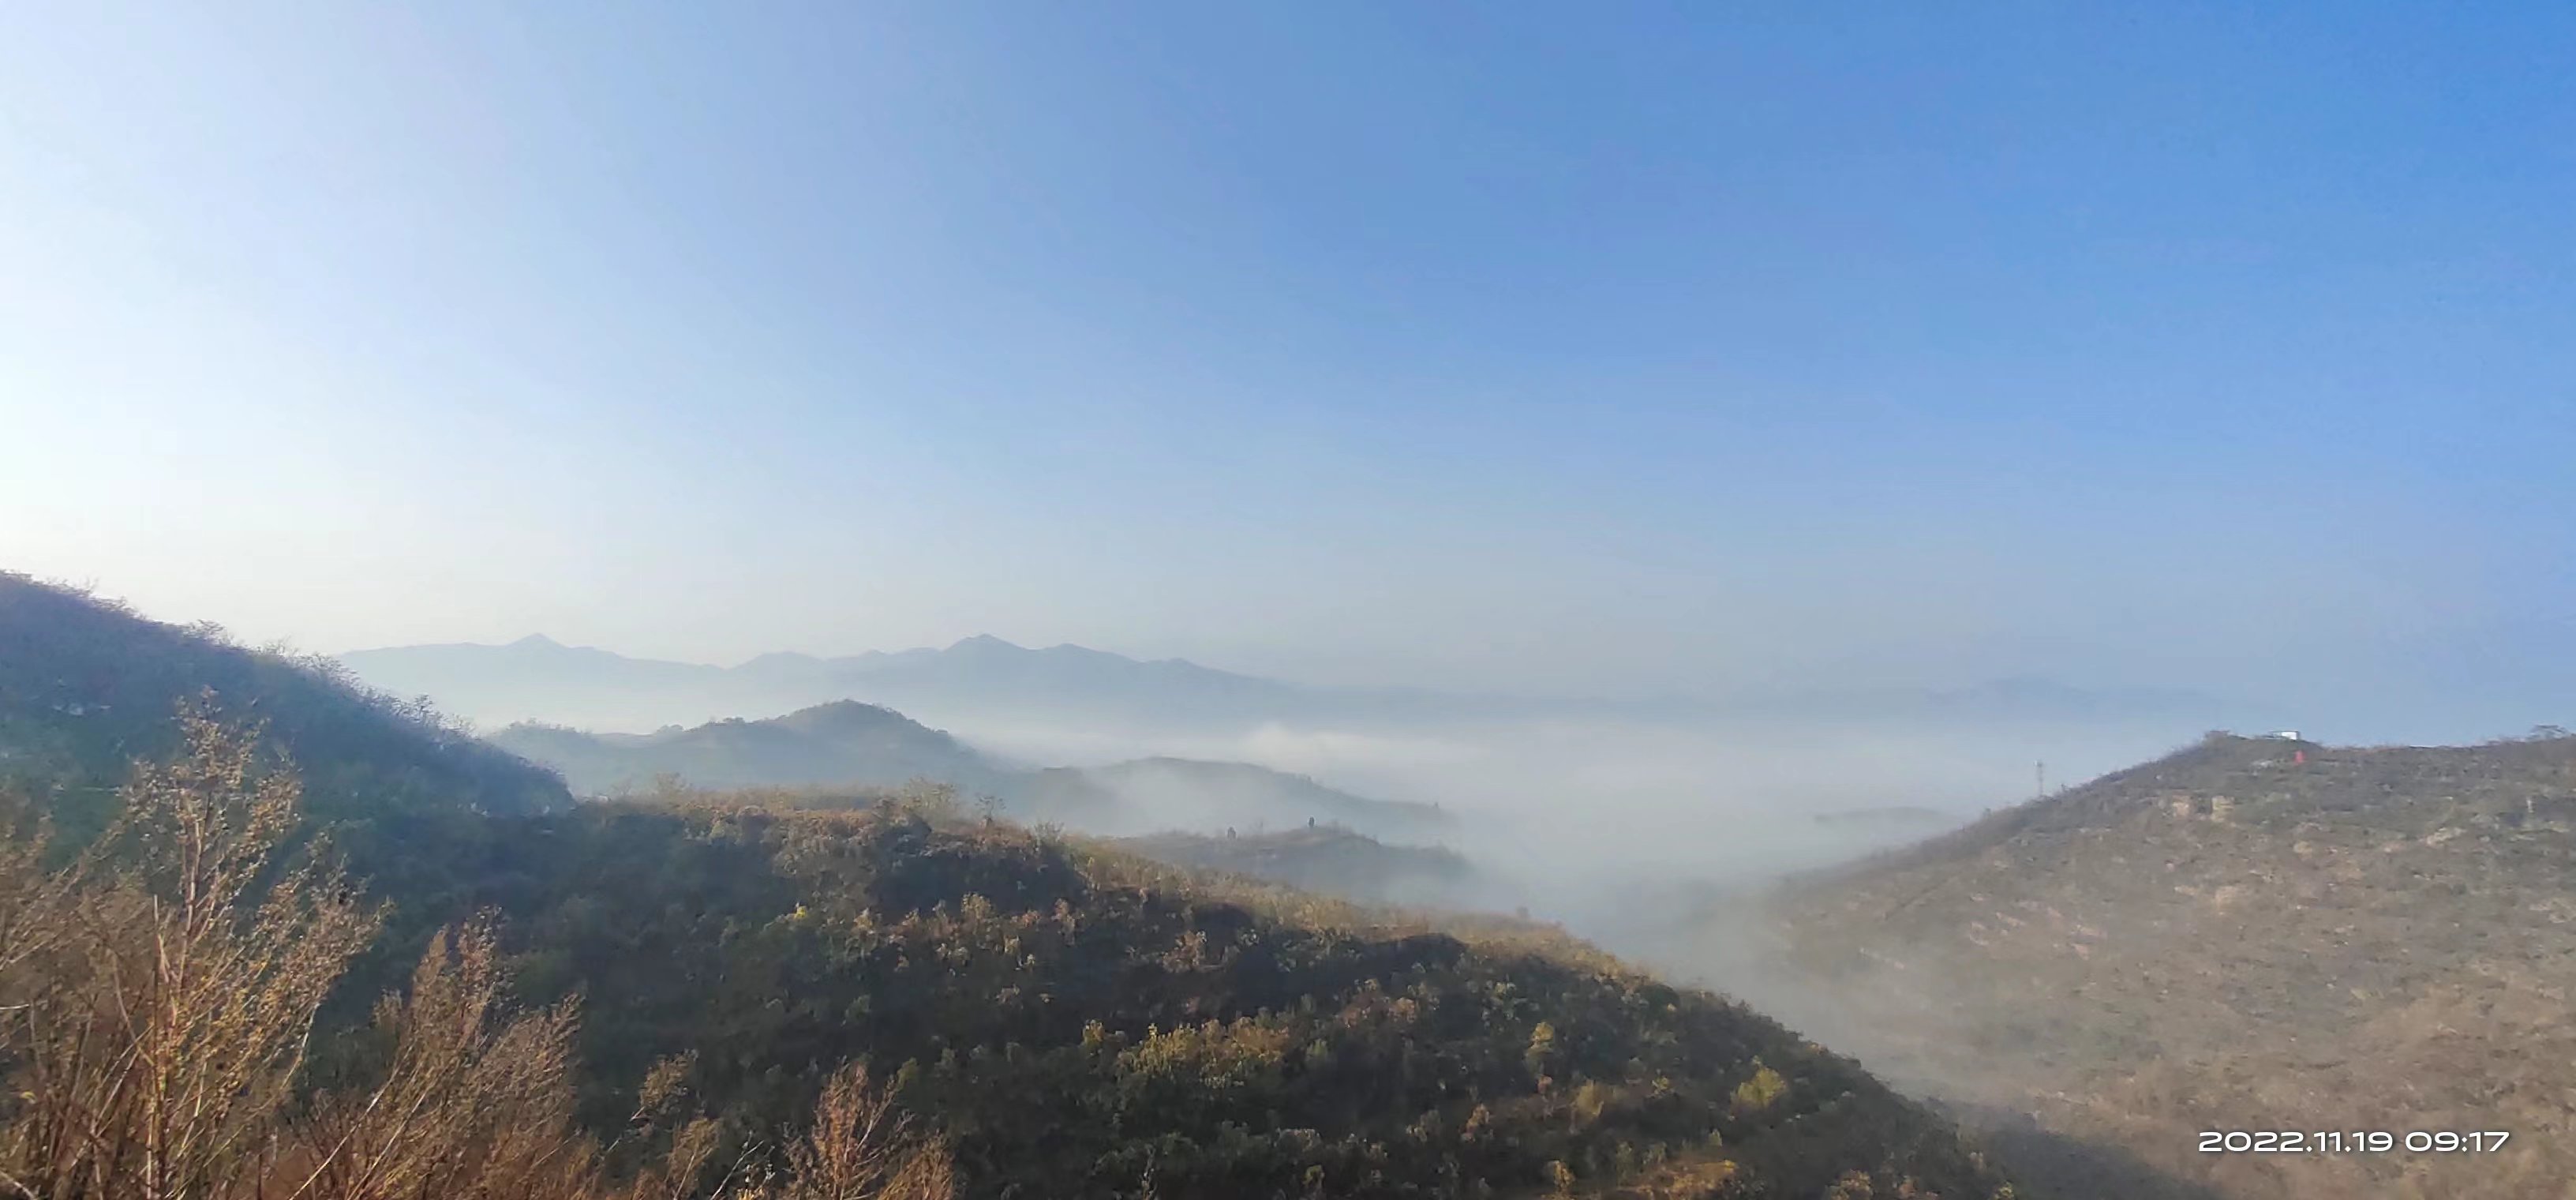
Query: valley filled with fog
x=1582, y=811
x=1282, y=602
x=1611, y=818
x=2014, y=899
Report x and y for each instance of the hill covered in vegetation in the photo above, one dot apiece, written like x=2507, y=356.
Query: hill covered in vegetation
x=1059, y=1018
x=165, y=1032
x=87, y=687
x=1327, y=859
x=846, y=745
x=1080, y=1022
x=2251, y=934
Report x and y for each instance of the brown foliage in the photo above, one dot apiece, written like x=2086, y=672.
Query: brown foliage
x=158, y=995
x=459, y=1078
x=156, y=1026
x=863, y=1148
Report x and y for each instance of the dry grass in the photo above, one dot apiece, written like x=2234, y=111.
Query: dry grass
x=861, y=1146
x=158, y=1022
x=157, y=1002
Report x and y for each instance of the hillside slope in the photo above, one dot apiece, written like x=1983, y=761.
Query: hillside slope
x=844, y=743
x=1083, y=1023
x=2250, y=934
x=1219, y=794
x=87, y=687
x=851, y=745
x=1326, y=859
x=1077, y=1022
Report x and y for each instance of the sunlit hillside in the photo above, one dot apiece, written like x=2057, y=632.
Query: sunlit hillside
x=2251, y=934
x=1061, y=1019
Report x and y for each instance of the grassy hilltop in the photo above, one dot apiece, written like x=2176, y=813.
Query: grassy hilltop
x=2248, y=934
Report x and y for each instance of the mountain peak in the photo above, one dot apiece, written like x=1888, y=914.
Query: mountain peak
x=536, y=641
x=983, y=642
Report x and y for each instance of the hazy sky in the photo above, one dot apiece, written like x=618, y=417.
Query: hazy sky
x=1568, y=347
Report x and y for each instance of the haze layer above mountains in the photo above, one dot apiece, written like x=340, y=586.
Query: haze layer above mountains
x=538, y=678
x=2247, y=930
x=1680, y=788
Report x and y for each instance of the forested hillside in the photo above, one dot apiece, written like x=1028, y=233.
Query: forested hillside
x=2252, y=934
x=845, y=745
x=1060, y=1019
x=1326, y=859
x=1082, y=1023
x=87, y=687
x=840, y=744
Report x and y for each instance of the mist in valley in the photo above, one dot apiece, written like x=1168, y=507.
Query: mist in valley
x=1630, y=824
x=1580, y=813
x=1784, y=496
x=1658, y=832
x=1711, y=841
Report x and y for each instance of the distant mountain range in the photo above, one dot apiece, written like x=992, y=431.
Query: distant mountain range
x=537, y=678
x=853, y=745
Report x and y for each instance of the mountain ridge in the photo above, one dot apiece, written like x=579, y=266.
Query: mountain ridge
x=124, y=675
x=847, y=743
x=538, y=678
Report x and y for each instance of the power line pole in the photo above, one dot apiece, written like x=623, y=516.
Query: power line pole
x=2039, y=779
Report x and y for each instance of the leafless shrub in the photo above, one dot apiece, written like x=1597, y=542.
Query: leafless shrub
x=157, y=996
x=155, y=1029
x=469, y=1107
x=863, y=1148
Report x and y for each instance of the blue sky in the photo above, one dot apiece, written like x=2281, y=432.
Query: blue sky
x=1564, y=347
